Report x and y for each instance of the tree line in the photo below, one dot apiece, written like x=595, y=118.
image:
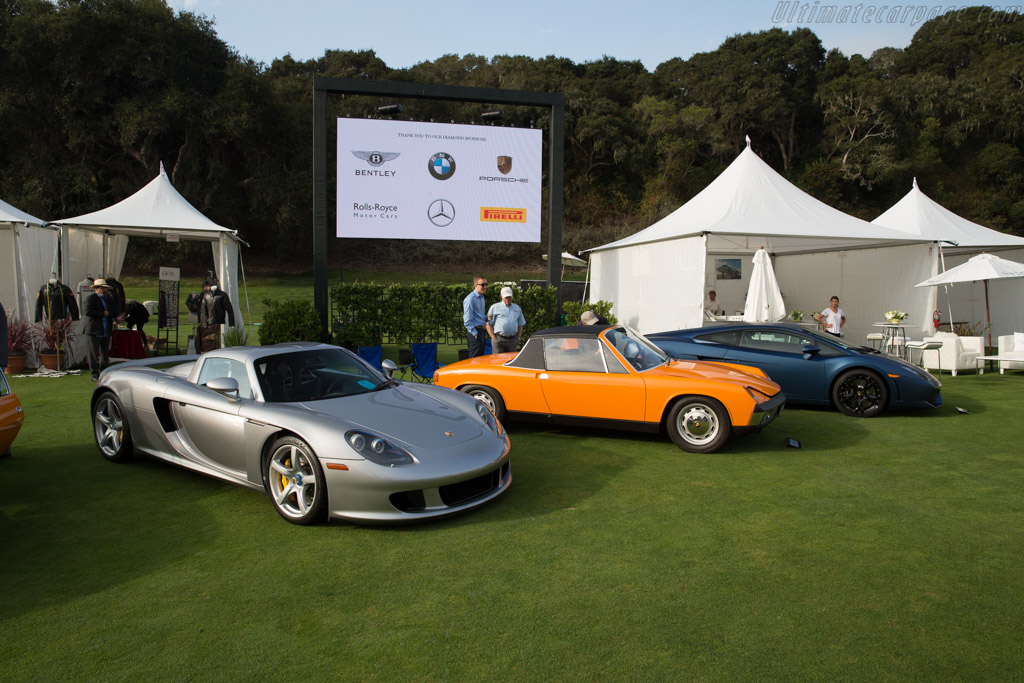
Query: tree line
x=95, y=94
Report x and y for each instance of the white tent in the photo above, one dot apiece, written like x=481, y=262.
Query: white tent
x=918, y=215
x=28, y=257
x=657, y=277
x=95, y=243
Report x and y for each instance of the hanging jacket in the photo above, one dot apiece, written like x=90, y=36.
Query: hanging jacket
x=116, y=297
x=215, y=306
x=56, y=301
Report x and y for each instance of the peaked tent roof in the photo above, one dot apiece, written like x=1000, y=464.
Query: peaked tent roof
x=919, y=215
x=750, y=199
x=156, y=207
x=9, y=214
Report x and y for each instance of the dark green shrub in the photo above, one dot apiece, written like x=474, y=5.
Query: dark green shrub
x=287, y=321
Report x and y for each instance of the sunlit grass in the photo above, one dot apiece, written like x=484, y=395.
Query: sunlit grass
x=887, y=548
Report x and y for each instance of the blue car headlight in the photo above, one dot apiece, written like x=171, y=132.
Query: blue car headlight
x=378, y=450
x=488, y=417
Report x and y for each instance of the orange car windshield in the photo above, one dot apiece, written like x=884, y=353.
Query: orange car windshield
x=635, y=348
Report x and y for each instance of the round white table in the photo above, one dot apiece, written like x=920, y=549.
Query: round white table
x=895, y=335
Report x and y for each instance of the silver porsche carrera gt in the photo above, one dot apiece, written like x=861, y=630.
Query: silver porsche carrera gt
x=312, y=425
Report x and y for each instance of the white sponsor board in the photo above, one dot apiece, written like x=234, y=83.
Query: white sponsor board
x=438, y=181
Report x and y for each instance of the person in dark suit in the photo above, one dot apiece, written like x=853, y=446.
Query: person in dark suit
x=98, y=327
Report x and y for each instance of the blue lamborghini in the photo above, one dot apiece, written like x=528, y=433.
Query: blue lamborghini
x=811, y=368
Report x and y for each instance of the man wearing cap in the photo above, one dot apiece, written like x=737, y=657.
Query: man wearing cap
x=591, y=318
x=505, y=323
x=98, y=327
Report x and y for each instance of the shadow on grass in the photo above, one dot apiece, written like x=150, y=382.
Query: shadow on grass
x=74, y=525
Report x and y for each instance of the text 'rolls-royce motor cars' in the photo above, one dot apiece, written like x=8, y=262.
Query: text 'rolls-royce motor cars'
x=812, y=368
x=611, y=376
x=314, y=426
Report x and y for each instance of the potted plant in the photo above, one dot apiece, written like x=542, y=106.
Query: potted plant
x=53, y=338
x=19, y=341
x=796, y=316
x=896, y=317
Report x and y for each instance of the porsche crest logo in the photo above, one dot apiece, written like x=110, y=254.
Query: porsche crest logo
x=448, y=434
x=505, y=165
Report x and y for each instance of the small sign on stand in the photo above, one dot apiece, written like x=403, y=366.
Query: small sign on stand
x=167, y=318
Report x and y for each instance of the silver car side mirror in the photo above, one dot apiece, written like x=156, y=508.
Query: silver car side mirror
x=224, y=385
x=388, y=366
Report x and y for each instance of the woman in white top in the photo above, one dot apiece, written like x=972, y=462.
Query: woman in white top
x=832, y=318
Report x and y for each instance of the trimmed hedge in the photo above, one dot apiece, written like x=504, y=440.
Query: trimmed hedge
x=366, y=314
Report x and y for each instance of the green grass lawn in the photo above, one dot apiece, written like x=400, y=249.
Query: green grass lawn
x=884, y=549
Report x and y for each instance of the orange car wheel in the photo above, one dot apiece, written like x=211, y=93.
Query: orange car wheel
x=489, y=397
x=699, y=424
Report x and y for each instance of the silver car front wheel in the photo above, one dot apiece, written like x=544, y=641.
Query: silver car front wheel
x=294, y=481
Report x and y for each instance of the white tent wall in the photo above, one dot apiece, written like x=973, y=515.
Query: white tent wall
x=967, y=300
x=868, y=282
x=225, y=256
x=656, y=286
x=29, y=258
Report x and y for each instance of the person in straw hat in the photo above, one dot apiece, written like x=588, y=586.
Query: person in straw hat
x=98, y=327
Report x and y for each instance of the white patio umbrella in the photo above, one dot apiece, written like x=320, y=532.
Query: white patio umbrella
x=569, y=260
x=982, y=267
x=764, y=300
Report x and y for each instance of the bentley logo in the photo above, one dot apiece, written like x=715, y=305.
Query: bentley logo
x=505, y=165
x=441, y=166
x=448, y=434
x=376, y=158
x=441, y=212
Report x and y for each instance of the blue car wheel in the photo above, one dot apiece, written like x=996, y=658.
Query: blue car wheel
x=860, y=393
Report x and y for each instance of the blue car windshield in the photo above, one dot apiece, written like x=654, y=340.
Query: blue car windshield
x=315, y=375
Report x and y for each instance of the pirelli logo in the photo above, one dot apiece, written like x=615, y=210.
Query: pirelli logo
x=495, y=214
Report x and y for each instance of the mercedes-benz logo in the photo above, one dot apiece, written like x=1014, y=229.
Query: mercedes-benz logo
x=441, y=212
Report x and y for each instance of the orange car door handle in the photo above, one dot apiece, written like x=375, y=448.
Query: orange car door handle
x=542, y=375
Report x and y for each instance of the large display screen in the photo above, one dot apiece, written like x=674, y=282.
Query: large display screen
x=438, y=181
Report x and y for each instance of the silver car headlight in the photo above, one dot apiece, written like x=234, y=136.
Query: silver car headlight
x=378, y=450
x=488, y=417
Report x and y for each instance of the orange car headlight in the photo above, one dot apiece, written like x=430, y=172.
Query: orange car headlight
x=758, y=396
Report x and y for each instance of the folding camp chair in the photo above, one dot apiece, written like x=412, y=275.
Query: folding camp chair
x=372, y=355
x=424, y=362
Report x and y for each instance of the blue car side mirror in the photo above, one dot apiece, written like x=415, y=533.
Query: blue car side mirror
x=810, y=352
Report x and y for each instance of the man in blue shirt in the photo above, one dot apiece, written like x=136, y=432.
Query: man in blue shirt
x=505, y=323
x=473, y=317
x=97, y=327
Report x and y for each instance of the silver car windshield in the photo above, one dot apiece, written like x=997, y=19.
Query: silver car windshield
x=635, y=348
x=315, y=375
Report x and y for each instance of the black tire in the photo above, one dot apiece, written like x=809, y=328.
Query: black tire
x=110, y=427
x=699, y=424
x=489, y=397
x=294, y=480
x=860, y=393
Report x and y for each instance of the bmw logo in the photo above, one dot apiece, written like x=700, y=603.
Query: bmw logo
x=441, y=212
x=441, y=166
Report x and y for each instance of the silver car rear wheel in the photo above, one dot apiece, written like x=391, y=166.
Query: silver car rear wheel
x=111, y=428
x=699, y=424
x=294, y=481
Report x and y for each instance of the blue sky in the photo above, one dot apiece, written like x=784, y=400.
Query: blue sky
x=405, y=32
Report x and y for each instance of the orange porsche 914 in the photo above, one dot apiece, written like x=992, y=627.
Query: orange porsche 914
x=611, y=376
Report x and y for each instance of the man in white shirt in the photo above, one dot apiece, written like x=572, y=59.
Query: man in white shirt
x=505, y=322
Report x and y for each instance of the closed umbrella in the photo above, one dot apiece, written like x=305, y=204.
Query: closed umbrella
x=982, y=267
x=764, y=300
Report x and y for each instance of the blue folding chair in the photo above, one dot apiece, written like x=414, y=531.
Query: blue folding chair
x=424, y=362
x=372, y=355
